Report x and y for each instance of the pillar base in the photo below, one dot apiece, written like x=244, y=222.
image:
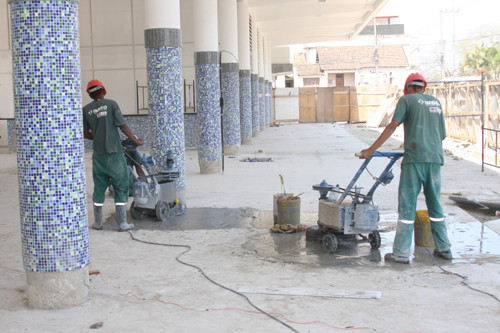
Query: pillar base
x=246, y=140
x=57, y=290
x=231, y=150
x=209, y=167
x=255, y=133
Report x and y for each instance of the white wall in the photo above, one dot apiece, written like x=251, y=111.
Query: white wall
x=112, y=48
x=280, y=81
x=286, y=107
x=368, y=77
x=6, y=90
x=187, y=31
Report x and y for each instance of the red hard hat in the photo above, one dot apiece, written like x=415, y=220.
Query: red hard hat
x=95, y=83
x=414, y=77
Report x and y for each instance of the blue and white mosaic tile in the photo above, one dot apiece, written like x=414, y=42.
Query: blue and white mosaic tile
x=209, y=116
x=262, y=105
x=166, y=116
x=271, y=103
x=255, y=105
x=139, y=124
x=231, y=115
x=11, y=132
x=50, y=154
x=268, y=103
x=246, y=107
x=191, y=129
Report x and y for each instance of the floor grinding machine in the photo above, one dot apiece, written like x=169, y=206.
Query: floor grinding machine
x=157, y=194
x=341, y=220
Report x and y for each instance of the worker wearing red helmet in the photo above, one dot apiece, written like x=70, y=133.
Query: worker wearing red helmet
x=424, y=131
x=101, y=119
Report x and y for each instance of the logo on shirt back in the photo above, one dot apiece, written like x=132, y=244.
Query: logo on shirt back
x=434, y=106
x=99, y=112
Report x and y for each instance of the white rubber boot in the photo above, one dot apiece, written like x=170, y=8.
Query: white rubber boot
x=121, y=218
x=97, y=225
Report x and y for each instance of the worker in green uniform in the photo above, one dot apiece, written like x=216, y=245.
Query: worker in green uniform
x=424, y=131
x=101, y=120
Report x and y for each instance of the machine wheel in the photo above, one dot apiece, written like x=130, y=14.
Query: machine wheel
x=374, y=239
x=162, y=210
x=329, y=243
x=135, y=212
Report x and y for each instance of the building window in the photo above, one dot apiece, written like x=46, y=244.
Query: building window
x=311, y=81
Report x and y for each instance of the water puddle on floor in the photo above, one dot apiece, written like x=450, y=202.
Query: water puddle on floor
x=471, y=241
x=473, y=238
x=191, y=219
x=306, y=248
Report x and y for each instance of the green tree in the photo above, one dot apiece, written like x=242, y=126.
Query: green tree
x=482, y=59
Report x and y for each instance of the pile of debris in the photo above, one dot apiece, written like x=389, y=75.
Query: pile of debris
x=289, y=228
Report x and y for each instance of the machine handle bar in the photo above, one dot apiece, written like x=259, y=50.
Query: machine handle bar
x=393, y=158
x=379, y=154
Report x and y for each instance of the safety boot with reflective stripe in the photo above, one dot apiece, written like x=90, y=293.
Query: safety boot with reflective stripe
x=403, y=240
x=121, y=218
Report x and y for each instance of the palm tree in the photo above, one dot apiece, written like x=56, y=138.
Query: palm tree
x=475, y=61
x=493, y=59
x=482, y=59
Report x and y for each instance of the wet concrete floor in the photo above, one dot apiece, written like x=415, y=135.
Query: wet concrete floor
x=192, y=219
x=470, y=241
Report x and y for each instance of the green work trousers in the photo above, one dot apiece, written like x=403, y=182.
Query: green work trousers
x=413, y=177
x=110, y=169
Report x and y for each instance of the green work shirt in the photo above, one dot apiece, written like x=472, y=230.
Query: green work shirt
x=424, y=128
x=102, y=118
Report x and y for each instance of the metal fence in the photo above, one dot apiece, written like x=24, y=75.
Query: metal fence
x=472, y=114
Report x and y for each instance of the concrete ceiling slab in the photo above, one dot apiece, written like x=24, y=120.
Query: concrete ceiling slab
x=288, y=22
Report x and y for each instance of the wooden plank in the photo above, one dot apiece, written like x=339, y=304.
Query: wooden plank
x=307, y=105
x=324, y=112
x=311, y=292
x=380, y=114
x=354, y=111
x=341, y=104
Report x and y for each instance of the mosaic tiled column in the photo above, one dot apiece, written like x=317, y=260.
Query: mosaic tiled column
x=245, y=107
x=262, y=104
x=208, y=104
x=50, y=154
x=271, y=103
x=227, y=22
x=245, y=70
x=11, y=131
x=266, y=99
x=266, y=104
x=166, y=115
x=230, y=91
x=255, y=104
